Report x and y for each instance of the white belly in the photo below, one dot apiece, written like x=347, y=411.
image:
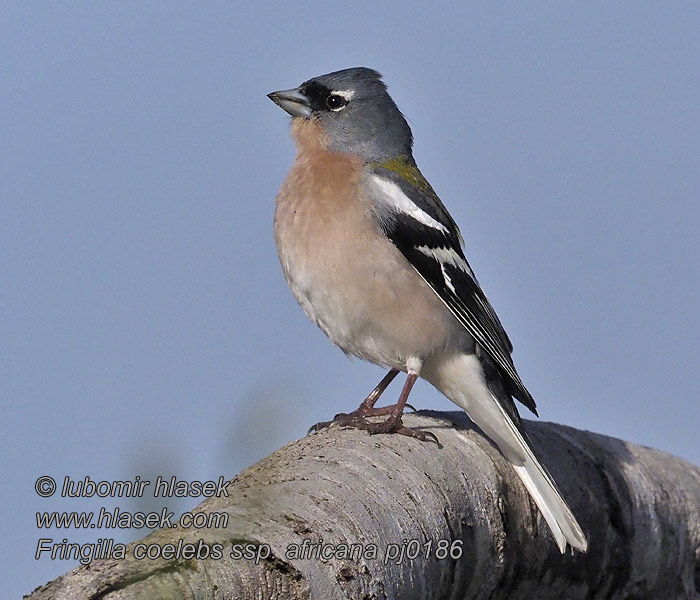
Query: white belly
x=355, y=285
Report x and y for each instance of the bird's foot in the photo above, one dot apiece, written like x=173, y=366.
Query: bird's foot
x=356, y=420
x=370, y=411
x=357, y=416
x=352, y=419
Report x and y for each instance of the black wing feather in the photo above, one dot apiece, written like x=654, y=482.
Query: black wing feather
x=462, y=294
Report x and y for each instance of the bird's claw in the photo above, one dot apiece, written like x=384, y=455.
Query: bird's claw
x=419, y=434
x=316, y=427
x=390, y=425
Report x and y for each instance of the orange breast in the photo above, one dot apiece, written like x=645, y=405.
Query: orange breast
x=348, y=277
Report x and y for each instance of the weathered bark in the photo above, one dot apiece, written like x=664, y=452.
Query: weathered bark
x=639, y=507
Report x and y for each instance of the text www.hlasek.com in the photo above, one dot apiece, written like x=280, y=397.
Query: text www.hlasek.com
x=116, y=519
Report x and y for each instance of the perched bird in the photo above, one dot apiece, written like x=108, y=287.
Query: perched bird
x=376, y=261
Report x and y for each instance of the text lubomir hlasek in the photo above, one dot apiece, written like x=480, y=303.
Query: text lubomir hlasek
x=163, y=488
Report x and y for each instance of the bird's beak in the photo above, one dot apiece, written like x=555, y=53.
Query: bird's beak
x=295, y=102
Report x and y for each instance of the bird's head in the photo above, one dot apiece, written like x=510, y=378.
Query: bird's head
x=355, y=112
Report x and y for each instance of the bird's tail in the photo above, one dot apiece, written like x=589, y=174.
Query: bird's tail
x=556, y=512
x=460, y=378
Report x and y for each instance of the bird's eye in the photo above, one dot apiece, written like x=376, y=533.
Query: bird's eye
x=335, y=102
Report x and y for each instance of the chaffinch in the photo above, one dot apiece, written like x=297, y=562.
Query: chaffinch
x=376, y=261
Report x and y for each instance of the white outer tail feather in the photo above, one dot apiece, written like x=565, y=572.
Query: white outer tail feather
x=554, y=508
x=460, y=378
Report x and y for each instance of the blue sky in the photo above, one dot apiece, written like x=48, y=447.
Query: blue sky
x=146, y=326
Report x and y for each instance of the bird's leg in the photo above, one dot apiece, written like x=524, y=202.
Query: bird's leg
x=393, y=423
x=367, y=406
x=371, y=399
x=366, y=409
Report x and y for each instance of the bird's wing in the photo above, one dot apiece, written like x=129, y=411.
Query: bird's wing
x=413, y=218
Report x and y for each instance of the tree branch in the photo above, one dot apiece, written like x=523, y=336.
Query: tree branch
x=640, y=509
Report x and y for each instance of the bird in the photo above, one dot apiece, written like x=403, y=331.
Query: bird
x=374, y=259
